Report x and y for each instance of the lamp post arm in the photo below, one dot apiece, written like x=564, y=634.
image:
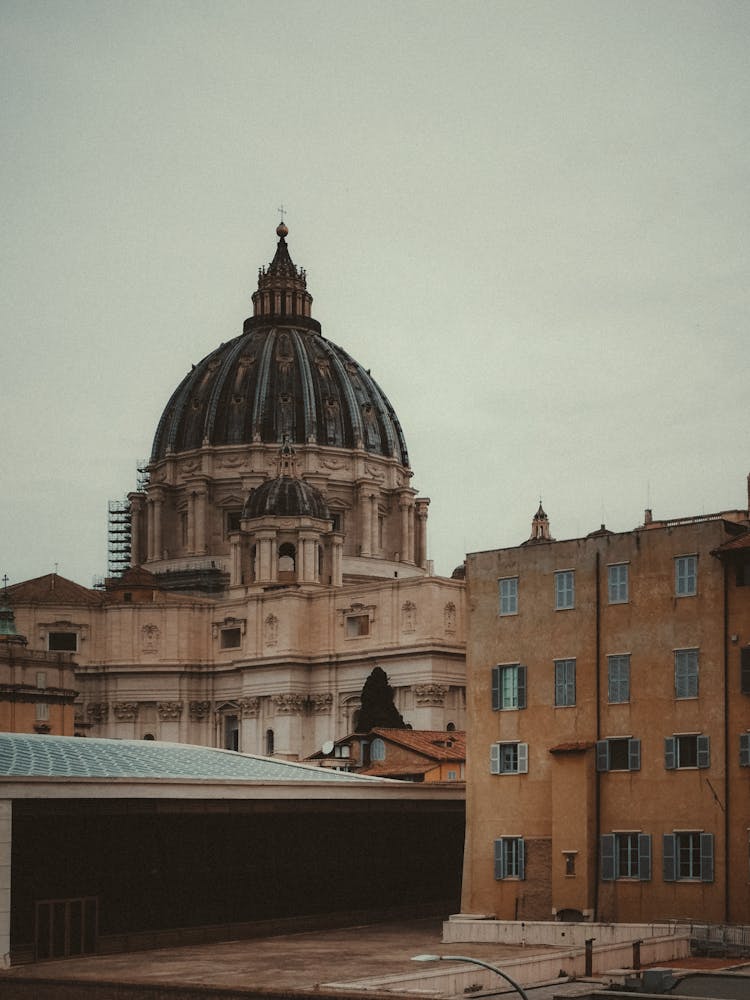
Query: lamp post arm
x=485, y=965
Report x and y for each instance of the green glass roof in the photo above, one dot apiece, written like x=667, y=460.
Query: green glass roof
x=28, y=756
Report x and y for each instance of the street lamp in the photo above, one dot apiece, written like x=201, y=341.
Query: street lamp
x=472, y=961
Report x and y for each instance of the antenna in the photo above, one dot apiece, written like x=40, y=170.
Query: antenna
x=327, y=747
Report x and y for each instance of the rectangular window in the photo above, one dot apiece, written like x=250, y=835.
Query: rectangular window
x=745, y=670
x=618, y=679
x=508, y=686
x=232, y=519
x=41, y=679
x=62, y=642
x=231, y=638
x=357, y=625
x=509, y=595
x=686, y=576
x=619, y=754
x=565, y=683
x=686, y=673
x=688, y=855
x=617, y=583
x=687, y=750
x=565, y=590
x=744, y=749
x=626, y=855
x=509, y=758
x=42, y=711
x=509, y=858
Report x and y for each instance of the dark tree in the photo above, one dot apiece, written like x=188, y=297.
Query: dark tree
x=378, y=710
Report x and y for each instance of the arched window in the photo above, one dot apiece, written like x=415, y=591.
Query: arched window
x=377, y=749
x=451, y=727
x=269, y=743
x=287, y=555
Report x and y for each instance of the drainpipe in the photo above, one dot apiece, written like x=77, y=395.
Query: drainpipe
x=727, y=800
x=598, y=777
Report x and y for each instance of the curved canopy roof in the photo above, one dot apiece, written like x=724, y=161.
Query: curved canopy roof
x=32, y=756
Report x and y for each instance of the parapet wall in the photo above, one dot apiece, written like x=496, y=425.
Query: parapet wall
x=550, y=933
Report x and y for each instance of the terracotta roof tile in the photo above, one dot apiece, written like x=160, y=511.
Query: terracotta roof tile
x=53, y=589
x=433, y=743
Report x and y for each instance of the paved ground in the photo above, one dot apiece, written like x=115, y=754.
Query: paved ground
x=293, y=961
x=296, y=961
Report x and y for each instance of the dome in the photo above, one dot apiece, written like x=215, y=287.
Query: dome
x=286, y=496
x=280, y=380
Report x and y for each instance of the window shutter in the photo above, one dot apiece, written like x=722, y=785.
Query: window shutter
x=499, y=865
x=495, y=689
x=608, y=857
x=523, y=758
x=602, y=755
x=644, y=857
x=669, y=753
x=707, y=857
x=744, y=749
x=495, y=758
x=521, y=685
x=704, y=751
x=521, y=859
x=745, y=670
x=634, y=755
x=668, y=857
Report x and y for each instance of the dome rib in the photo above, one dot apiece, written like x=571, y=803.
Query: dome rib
x=261, y=390
x=308, y=397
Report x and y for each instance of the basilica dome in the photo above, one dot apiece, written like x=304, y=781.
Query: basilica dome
x=286, y=497
x=280, y=380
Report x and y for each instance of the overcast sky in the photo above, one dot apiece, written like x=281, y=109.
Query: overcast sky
x=528, y=219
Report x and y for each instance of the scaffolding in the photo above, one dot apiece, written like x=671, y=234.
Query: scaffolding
x=120, y=537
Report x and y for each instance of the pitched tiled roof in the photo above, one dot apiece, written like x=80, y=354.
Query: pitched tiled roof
x=53, y=589
x=434, y=743
x=734, y=545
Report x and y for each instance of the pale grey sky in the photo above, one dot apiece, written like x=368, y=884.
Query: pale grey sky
x=529, y=219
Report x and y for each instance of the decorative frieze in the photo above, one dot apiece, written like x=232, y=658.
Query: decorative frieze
x=288, y=704
x=125, y=711
x=408, y=616
x=250, y=707
x=271, y=630
x=320, y=703
x=199, y=710
x=430, y=694
x=449, y=617
x=150, y=636
x=98, y=711
x=169, y=711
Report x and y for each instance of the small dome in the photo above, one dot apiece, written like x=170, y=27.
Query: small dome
x=286, y=497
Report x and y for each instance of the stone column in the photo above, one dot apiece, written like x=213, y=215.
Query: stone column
x=374, y=525
x=405, y=507
x=308, y=568
x=421, y=553
x=235, y=560
x=266, y=564
x=337, y=561
x=200, y=521
x=190, y=540
x=365, y=521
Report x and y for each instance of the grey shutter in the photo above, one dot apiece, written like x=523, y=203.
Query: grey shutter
x=634, y=755
x=495, y=758
x=607, y=848
x=704, y=751
x=744, y=749
x=521, y=859
x=521, y=685
x=495, y=688
x=707, y=857
x=602, y=755
x=669, y=850
x=669, y=753
x=499, y=866
x=523, y=758
x=644, y=857
x=745, y=670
